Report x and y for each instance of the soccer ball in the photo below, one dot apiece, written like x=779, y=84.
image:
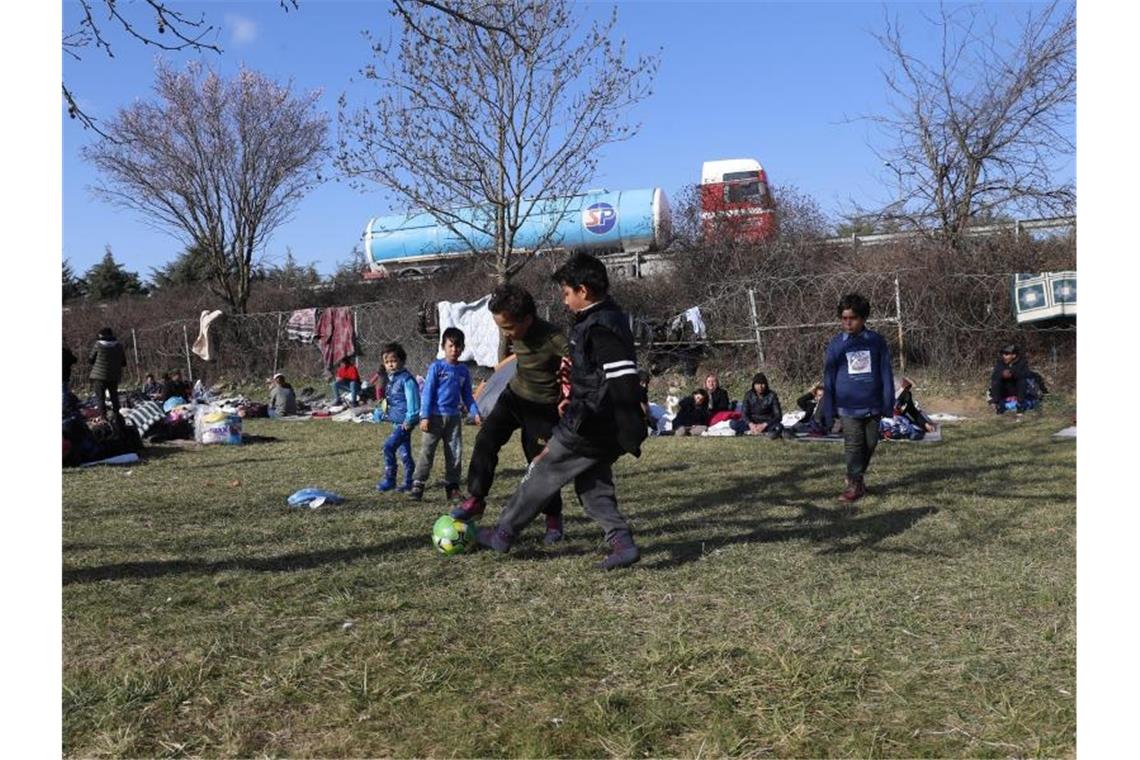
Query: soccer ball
x=452, y=536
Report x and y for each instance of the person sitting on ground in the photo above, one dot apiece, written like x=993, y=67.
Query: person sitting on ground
x=718, y=397
x=693, y=414
x=760, y=412
x=810, y=403
x=906, y=406
x=1009, y=382
x=175, y=387
x=107, y=361
x=282, y=398
x=151, y=388
x=347, y=379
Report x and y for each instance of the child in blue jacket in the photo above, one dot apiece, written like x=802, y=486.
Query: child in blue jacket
x=443, y=407
x=859, y=387
x=403, y=411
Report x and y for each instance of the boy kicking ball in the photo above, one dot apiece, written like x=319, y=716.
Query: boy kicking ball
x=601, y=421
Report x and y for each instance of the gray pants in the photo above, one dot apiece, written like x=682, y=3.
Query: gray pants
x=860, y=437
x=450, y=430
x=553, y=468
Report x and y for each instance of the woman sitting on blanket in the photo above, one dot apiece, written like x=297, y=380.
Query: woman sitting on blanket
x=906, y=406
x=693, y=414
x=812, y=421
x=760, y=412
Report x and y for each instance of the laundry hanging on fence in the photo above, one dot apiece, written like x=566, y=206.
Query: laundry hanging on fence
x=302, y=325
x=336, y=335
x=480, y=333
x=693, y=316
x=202, y=342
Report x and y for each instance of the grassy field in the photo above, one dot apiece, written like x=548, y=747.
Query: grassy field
x=202, y=616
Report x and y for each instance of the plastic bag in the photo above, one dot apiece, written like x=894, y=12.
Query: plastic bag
x=215, y=425
x=313, y=498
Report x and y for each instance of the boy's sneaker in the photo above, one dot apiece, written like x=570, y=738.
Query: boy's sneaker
x=853, y=492
x=471, y=509
x=388, y=482
x=624, y=552
x=453, y=492
x=554, y=532
x=417, y=491
x=496, y=538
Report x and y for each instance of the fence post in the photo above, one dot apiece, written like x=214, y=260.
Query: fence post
x=277, y=344
x=186, y=344
x=898, y=323
x=756, y=325
x=135, y=343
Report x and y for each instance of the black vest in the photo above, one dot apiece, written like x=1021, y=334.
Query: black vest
x=590, y=414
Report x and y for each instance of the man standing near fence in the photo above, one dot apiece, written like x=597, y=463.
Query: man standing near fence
x=859, y=387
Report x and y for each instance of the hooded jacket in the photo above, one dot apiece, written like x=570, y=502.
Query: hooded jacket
x=107, y=361
x=1001, y=387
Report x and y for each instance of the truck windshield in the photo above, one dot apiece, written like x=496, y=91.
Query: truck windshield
x=741, y=192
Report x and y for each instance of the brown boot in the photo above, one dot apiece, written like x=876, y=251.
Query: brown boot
x=853, y=490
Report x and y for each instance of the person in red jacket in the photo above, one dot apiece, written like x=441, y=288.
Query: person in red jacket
x=347, y=379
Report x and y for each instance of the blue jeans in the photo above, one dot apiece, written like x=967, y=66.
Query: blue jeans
x=399, y=441
x=352, y=386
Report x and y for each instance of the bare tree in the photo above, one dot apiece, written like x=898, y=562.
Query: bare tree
x=490, y=114
x=217, y=164
x=151, y=22
x=978, y=131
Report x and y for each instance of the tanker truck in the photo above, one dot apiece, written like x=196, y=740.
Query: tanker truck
x=596, y=221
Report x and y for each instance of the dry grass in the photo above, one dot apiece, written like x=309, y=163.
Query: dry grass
x=204, y=617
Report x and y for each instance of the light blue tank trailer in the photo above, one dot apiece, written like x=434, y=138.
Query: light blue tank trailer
x=598, y=221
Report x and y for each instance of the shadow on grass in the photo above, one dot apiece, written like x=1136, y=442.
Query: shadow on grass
x=282, y=563
x=844, y=534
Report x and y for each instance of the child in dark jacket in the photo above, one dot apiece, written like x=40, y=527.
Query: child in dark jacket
x=693, y=414
x=906, y=406
x=858, y=386
x=529, y=402
x=402, y=409
x=601, y=420
x=1012, y=383
x=443, y=404
x=760, y=413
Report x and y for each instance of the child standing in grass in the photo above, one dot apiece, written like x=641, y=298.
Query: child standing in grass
x=403, y=411
x=859, y=387
x=601, y=420
x=443, y=405
x=529, y=402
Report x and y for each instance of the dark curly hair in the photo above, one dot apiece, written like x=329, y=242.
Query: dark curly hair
x=512, y=300
x=394, y=348
x=856, y=303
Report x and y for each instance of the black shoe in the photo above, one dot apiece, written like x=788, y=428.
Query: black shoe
x=417, y=491
x=453, y=492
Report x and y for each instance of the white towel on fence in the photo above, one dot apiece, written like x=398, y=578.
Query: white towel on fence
x=202, y=342
x=481, y=334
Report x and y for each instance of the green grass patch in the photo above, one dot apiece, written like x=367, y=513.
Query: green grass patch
x=203, y=616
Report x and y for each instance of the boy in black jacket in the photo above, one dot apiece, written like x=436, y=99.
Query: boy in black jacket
x=601, y=420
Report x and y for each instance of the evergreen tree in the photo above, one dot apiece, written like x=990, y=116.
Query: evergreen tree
x=73, y=287
x=191, y=267
x=108, y=280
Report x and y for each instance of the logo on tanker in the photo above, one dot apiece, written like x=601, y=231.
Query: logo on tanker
x=599, y=218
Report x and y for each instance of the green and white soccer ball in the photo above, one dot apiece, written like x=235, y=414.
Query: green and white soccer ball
x=452, y=536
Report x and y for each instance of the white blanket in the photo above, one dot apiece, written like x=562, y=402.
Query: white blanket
x=480, y=333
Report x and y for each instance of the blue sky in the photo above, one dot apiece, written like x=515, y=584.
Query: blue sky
x=779, y=82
